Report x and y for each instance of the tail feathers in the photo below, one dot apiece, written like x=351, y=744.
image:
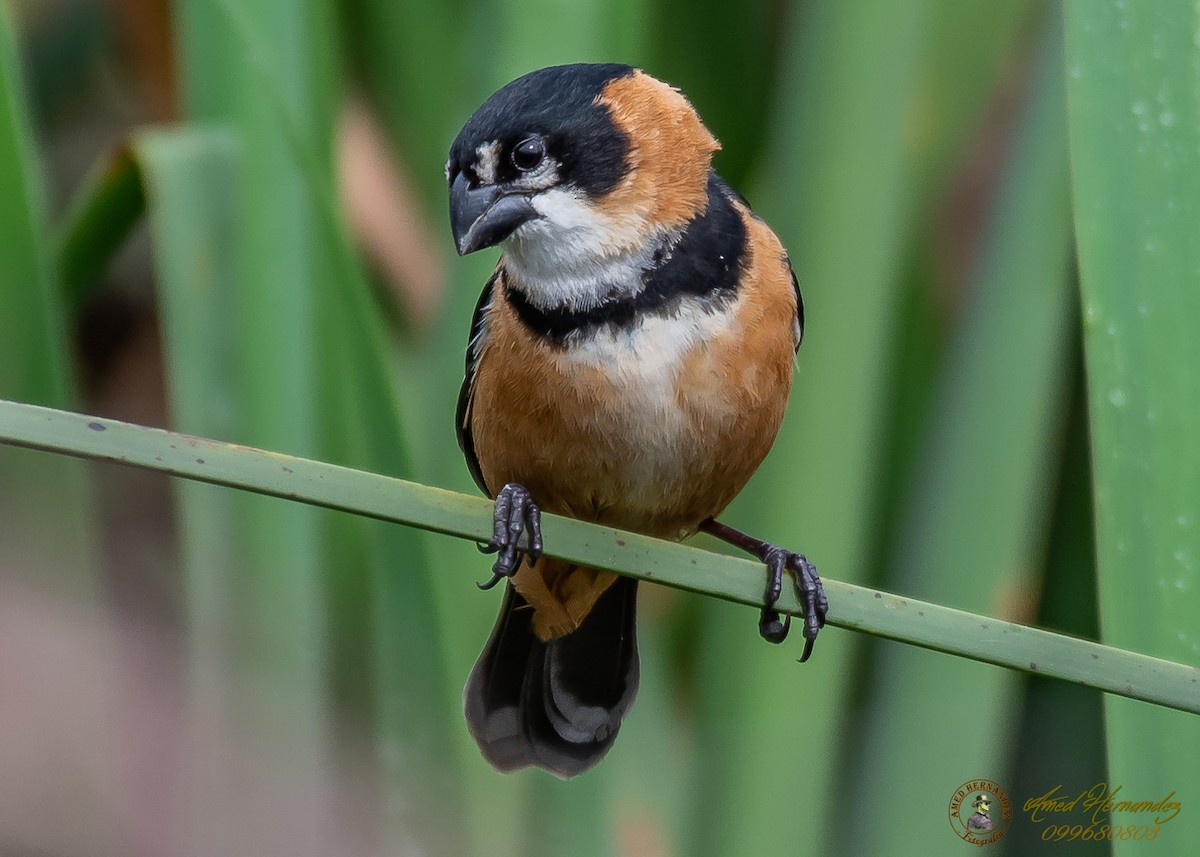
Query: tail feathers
x=557, y=704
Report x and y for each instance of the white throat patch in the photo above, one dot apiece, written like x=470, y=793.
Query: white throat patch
x=574, y=255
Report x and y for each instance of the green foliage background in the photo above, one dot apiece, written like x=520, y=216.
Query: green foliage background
x=991, y=210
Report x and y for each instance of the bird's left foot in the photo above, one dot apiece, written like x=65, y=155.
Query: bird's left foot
x=808, y=588
x=773, y=627
x=515, y=514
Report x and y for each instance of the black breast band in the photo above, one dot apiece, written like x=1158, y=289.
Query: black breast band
x=706, y=262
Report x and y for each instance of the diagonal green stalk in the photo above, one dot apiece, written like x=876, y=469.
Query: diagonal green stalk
x=852, y=607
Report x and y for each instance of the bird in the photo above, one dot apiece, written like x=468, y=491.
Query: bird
x=629, y=363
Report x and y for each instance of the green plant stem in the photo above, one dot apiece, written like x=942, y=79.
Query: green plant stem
x=857, y=608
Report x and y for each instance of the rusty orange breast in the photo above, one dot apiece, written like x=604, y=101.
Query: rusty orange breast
x=651, y=427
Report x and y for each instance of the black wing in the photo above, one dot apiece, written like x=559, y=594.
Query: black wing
x=799, y=301
x=462, y=414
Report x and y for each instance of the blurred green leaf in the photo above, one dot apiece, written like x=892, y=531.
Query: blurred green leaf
x=833, y=183
x=101, y=215
x=45, y=517
x=980, y=491
x=1134, y=112
x=33, y=337
x=399, y=51
x=189, y=179
x=337, y=330
x=973, y=66
x=735, y=93
x=276, y=606
x=1061, y=738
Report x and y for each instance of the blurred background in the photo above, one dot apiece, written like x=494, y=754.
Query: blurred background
x=233, y=220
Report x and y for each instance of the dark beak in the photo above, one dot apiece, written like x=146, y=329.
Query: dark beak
x=484, y=216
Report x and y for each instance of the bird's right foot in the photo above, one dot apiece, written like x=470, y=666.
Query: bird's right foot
x=516, y=514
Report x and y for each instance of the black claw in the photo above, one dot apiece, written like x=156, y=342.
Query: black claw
x=496, y=578
x=808, y=647
x=515, y=513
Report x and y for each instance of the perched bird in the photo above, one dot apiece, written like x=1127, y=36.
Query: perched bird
x=629, y=363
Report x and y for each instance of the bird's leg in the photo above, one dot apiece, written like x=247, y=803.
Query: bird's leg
x=516, y=513
x=778, y=560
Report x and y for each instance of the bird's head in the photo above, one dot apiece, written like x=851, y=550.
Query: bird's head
x=580, y=172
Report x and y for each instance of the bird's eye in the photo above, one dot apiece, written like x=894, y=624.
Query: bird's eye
x=529, y=153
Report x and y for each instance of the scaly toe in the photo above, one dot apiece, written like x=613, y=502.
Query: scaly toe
x=515, y=513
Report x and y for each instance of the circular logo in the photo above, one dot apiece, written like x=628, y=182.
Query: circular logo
x=980, y=811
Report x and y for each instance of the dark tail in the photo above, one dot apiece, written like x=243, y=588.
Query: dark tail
x=557, y=705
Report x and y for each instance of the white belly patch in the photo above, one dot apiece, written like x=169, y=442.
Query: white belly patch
x=642, y=362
